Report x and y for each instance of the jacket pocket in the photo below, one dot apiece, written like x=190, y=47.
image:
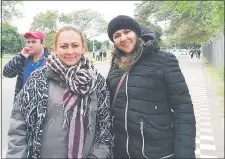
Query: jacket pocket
x=143, y=142
x=161, y=128
x=158, y=133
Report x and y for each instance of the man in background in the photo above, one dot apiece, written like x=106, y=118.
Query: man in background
x=32, y=57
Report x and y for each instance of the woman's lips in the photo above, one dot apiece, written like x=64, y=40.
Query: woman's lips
x=126, y=44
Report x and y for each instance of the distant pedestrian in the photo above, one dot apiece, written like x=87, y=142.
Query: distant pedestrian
x=192, y=53
x=100, y=55
x=198, y=53
x=104, y=55
x=97, y=55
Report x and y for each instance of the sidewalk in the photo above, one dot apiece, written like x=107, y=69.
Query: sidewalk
x=210, y=127
x=209, y=123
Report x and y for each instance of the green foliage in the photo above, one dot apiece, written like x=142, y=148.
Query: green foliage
x=90, y=22
x=144, y=16
x=190, y=21
x=97, y=45
x=89, y=45
x=12, y=41
x=49, y=41
x=217, y=80
x=106, y=44
x=10, y=10
x=45, y=21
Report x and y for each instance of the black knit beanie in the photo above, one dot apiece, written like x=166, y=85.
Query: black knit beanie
x=123, y=22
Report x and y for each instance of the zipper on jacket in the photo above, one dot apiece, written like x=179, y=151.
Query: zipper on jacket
x=143, y=138
x=168, y=156
x=127, y=103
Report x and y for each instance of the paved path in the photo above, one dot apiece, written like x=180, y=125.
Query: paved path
x=8, y=86
x=210, y=129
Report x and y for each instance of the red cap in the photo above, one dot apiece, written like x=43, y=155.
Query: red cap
x=35, y=34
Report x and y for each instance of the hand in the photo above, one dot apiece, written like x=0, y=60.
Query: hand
x=25, y=52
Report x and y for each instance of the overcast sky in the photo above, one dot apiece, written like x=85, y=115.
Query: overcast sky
x=109, y=9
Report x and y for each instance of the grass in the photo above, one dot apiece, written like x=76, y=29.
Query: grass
x=217, y=78
x=4, y=60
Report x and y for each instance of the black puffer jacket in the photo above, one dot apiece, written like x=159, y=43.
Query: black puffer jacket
x=153, y=113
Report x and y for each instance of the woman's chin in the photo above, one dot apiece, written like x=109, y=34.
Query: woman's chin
x=128, y=50
x=71, y=63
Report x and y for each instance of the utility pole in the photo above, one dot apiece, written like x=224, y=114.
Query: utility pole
x=93, y=48
x=93, y=45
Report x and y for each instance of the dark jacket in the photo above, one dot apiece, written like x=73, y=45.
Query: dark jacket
x=153, y=113
x=15, y=67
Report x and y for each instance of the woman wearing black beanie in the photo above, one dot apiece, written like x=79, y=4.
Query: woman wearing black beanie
x=152, y=110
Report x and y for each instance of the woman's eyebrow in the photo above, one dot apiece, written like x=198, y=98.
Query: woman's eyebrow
x=116, y=34
x=70, y=43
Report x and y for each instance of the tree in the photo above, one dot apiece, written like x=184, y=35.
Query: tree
x=12, y=41
x=90, y=22
x=142, y=14
x=45, y=21
x=49, y=41
x=106, y=44
x=10, y=10
x=190, y=21
x=199, y=20
x=98, y=45
x=89, y=45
